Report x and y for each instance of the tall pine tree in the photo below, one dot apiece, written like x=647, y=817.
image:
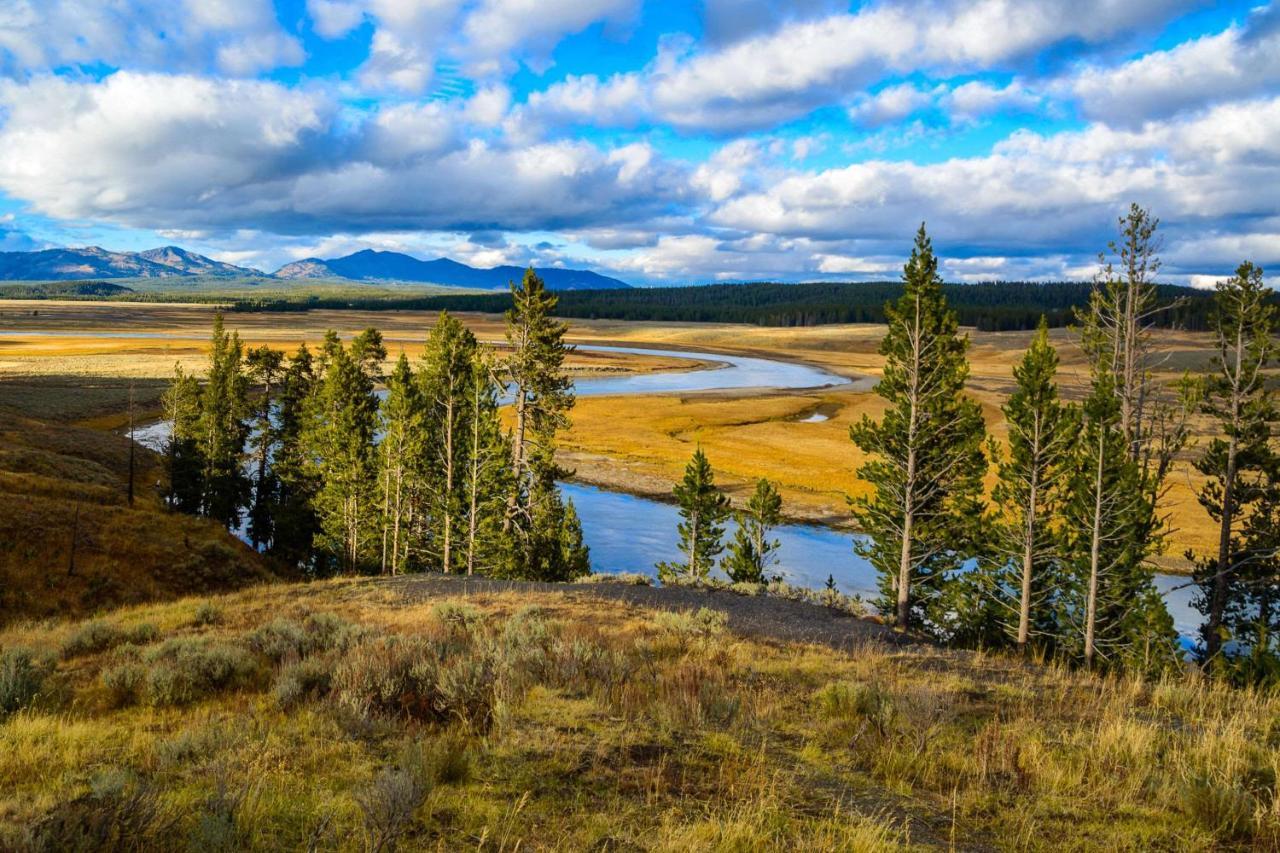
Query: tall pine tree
x=223, y=428
x=265, y=366
x=1028, y=494
x=342, y=422
x=1238, y=399
x=401, y=454
x=925, y=456
x=181, y=406
x=542, y=392
x=447, y=365
x=485, y=473
x=293, y=517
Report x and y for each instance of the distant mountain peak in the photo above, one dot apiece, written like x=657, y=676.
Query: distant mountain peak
x=381, y=265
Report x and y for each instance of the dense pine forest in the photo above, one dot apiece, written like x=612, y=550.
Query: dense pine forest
x=993, y=306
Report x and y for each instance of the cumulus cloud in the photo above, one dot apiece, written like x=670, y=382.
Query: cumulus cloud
x=1238, y=63
x=788, y=72
x=890, y=105
x=1041, y=193
x=239, y=37
x=183, y=152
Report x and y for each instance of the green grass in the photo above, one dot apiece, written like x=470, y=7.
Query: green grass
x=339, y=715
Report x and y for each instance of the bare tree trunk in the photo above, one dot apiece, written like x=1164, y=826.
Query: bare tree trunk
x=1095, y=555
x=447, y=555
x=517, y=460
x=1028, y=555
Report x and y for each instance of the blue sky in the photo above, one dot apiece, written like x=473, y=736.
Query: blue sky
x=675, y=142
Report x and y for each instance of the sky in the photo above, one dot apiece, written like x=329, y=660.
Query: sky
x=662, y=142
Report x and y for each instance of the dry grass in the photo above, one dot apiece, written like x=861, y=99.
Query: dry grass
x=70, y=544
x=600, y=726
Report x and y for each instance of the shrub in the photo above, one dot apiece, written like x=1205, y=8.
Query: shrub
x=124, y=680
x=704, y=622
x=417, y=679
x=388, y=806
x=207, y=614
x=625, y=578
x=187, y=669
x=142, y=634
x=21, y=677
x=301, y=681
x=279, y=639
x=328, y=631
x=457, y=616
x=90, y=638
x=119, y=813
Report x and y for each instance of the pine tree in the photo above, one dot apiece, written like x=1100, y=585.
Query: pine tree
x=181, y=406
x=1252, y=612
x=342, y=422
x=751, y=552
x=293, y=515
x=542, y=397
x=447, y=365
x=265, y=366
x=703, y=509
x=1128, y=445
x=1237, y=397
x=925, y=456
x=485, y=473
x=223, y=429
x=401, y=461
x=1042, y=432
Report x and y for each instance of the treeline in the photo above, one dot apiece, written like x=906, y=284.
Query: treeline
x=994, y=306
x=1056, y=560
x=328, y=476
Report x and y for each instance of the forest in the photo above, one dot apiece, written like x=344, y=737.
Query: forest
x=992, y=306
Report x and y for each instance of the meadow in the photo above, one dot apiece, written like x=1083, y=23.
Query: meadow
x=363, y=714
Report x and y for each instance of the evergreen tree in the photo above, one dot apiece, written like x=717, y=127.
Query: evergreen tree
x=751, y=552
x=542, y=397
x=1127, y=447
x=181, y=405
x=1252, y=613
x=925, y=459
x=265, y=366
x=485, y=472
x=341, y=425
x=1237, y=397
x=703, y=509
x=1042, y=432
x=447, y=368
x=294, y=523
x=401, y=457
x=223, y=429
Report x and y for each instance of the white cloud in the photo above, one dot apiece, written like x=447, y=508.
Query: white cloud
x=976, y=98
x=499, y=28
x=183, y=152
x=781, y=75
x=1042, y=194
x=239, y=37
x=1237, y=63
x=890, y=105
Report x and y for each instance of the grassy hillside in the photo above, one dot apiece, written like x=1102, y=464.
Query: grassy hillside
x=71, y=544
x=353, y=715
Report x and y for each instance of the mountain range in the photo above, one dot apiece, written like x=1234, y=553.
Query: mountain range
x=364, y=266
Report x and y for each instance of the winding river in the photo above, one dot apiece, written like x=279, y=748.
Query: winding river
x=627, y=533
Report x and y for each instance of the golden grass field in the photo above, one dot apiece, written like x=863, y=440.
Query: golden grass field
x=634, y=443
x=556, y=720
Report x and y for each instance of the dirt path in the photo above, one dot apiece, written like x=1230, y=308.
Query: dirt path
x=758, y=617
